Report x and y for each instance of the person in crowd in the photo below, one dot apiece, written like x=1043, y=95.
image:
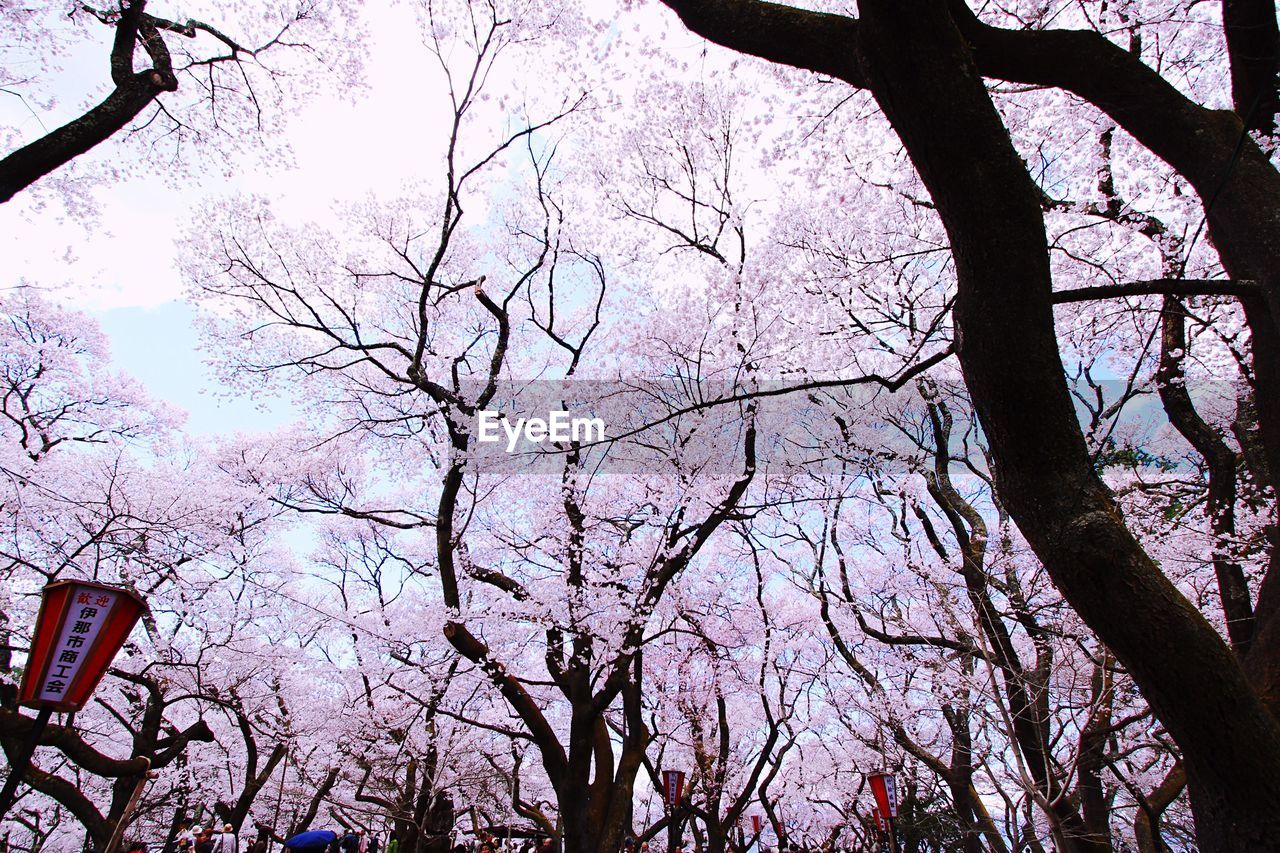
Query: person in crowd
x=136, y=847
x=262, y=841
x=226, y=840
x=184, y=834
x=204, y=844
x=393, y=843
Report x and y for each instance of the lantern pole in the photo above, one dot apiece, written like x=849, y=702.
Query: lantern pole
x=117, y=835
x=22, y=761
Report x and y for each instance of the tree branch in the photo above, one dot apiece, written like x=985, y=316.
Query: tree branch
x=1159, y=287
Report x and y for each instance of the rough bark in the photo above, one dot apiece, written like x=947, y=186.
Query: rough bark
x=1240, y=191
x=1254, y=44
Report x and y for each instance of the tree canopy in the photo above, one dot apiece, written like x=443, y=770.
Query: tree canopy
x=934, y=350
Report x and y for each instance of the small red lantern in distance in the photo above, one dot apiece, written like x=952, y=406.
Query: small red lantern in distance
x=673, y=784
x=756, y=824
x=885, y=792
x=81, y=627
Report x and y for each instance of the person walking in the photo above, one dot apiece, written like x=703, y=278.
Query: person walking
x=185, y=835
x=226, y=842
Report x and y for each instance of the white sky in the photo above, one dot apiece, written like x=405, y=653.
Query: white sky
x=122, y=267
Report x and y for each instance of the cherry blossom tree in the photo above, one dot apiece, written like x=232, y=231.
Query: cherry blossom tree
x=926, y=70
x=1035, y=597
x=99, y=486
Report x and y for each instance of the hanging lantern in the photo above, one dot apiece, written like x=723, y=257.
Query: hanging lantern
x=672, y=785
x=81, y=627
x=885, y=790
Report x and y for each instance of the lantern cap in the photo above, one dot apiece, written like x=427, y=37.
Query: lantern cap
x=119, y=588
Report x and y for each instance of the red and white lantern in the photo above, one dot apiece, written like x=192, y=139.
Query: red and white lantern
x=672, y=786
x=756, y=824
x=81, y=627
x=885, y=790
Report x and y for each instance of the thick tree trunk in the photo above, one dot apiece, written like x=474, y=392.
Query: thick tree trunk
x=1254, y=42
x=924, y=79
x=1237, y=184
x=439, y=826
x=594, y=795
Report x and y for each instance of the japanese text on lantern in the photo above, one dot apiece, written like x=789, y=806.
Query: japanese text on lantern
x=86, y=614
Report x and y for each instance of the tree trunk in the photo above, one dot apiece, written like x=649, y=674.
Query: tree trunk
x=594, y=796
x=1237, y=184
x=1146, y=821
x=440, y=820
